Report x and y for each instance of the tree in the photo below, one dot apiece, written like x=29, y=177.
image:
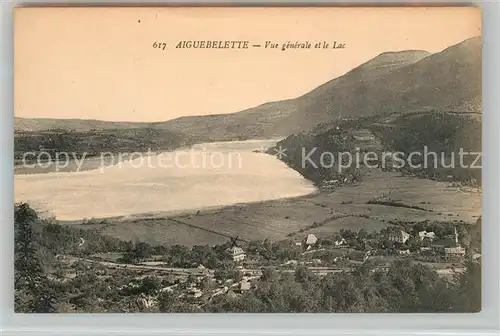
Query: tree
x=414, y=243
x=469, y=288
x=348, y=235
x=362, y=234
x=207, y=284
x=268, y=274
x=151, y=284
x=138, y=253
x=225, y=271
x=464, y=236
x=475, y=233
x=142, y=251
x=179, y=256
x=302, y=274
x=32, y=292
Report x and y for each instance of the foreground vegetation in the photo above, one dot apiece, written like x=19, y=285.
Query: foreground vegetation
x=44, y=282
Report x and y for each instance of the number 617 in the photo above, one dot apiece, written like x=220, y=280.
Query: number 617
x=159, y=45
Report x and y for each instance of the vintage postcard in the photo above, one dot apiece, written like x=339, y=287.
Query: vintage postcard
x=257, y=160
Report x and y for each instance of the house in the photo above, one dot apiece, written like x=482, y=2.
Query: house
x=237, y=253
x=310, y=240
x=168, y=289
x=456, y=251
x=340, y=242
x=194, y=293
x=429, y=235
x=244, y=285
x=398, y=236
x=144, y=301
x=368, y=254
x=404, y=252
x=440, y=244
x=450, y=248
x=426, y=251
x=291, y=262
x=330, y=182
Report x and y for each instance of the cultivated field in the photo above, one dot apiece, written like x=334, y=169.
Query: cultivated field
x=323, y=213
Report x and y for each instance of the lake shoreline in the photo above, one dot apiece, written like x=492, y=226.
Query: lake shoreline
x=73, y=163
x=188, y=212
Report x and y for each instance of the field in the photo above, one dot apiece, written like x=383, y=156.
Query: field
x=414, y=200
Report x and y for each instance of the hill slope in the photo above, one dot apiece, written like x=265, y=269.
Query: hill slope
x=449, y=80
x=396, y=82
x=260, y=121
x=290, y=116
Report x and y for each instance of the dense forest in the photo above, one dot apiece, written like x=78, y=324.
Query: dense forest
x=94, y=142
x=404, y=288
x=42, y=284
x=446, y=134
x=306, y=153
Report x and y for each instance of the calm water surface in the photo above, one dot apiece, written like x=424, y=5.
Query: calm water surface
x=212, y=174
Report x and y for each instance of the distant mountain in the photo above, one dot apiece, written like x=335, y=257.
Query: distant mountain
x=392, y=82
x=81, y=125
x=293, y=115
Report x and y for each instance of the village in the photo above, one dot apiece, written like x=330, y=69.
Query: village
x=243, y=264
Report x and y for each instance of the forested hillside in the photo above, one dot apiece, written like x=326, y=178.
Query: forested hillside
x=411, y=137
x=94, y=142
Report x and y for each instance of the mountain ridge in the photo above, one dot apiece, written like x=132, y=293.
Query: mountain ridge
x=391, y=82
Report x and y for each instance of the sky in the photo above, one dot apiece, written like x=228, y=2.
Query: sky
x=99, y=63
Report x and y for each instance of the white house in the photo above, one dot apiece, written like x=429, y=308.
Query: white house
x=244, y=285
x=340, y=242
x=194, y=293
x=429, y=235
x=237, y=253
x=310, y=240
x=291, y=262
x=456, y=251
x=399, y=236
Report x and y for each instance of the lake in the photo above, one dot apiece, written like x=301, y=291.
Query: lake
x=206, y=175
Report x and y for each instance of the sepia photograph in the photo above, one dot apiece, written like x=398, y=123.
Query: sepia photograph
x=247, y=160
